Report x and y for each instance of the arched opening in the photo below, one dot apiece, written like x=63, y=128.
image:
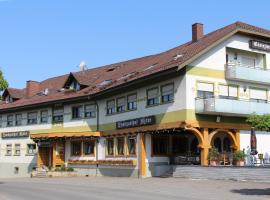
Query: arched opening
x=185, y=148
x=225, y=142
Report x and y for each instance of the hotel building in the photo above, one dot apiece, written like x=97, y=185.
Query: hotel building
x=139, y=117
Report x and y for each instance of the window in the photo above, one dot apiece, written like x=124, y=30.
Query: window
x=1, y=120
x=160, y=145
x=167, y=93
x=44, y=116
x=258, y=95
x=205, y=90
x=9, y=99
x=132, y=102
x=90, y=111
x=110, y=146
x=18, y=119
x=77, y=112
x=152, y=97
x=120, y=145
x=110, y=107
x=88, y=147
x=76, y=148
x=17, y=149
x=58, y=114
x=248, y=61
x=32, y=118
x=131, y=144
x=75, y=86
x=10, y=120
x=121, y=104
x=31, y=149
x=228, y=92
x=8, y=149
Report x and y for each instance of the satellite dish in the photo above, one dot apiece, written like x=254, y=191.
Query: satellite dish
x=82, y=66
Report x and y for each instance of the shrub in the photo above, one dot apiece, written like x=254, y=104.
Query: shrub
x=213, y=154
x=239, y=155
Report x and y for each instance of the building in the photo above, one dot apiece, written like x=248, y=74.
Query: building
x=138, y=117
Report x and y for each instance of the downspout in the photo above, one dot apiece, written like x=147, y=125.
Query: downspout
x=98, y=139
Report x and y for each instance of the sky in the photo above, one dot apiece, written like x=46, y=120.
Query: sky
x=46, y=38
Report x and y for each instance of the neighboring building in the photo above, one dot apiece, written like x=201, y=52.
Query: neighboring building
x=135, y=118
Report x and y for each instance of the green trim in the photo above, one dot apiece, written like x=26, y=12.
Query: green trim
x=175, y=116
x=201, y=71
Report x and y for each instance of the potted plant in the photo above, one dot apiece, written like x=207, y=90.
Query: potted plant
x=213, y=156
x=239, y=158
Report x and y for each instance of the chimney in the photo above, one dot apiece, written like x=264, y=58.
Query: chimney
x=197, y=31
x=32, y=88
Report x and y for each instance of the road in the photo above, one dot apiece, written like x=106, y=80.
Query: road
x=96, y=188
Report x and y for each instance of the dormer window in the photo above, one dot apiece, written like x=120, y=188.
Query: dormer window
x=75, y=85
x=9, y=99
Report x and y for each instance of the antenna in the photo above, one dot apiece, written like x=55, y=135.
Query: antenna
x=82, y=66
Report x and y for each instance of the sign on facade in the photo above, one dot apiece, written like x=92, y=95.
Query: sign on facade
x=18, y=134
x=255, y=44
x=142, y=121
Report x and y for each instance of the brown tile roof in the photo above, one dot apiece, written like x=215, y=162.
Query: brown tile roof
x=15, y=93
x=109, y=76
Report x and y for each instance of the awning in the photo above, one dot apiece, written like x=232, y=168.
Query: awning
x=65, y=135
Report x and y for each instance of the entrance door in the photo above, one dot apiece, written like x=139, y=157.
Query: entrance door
x=44, y=156
x=59, y=153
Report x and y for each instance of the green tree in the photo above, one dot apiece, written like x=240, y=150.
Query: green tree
x=260, y=122
x=3, y=83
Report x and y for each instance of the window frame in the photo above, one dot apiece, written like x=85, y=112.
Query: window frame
x=147, y=99
x=112, y=110
x=113, y=147
x=35, y=120
x=117, y=146
x=94, y=147
x=128, y=147
x=72, y=148
x=165, y=154
x=161, y=93
x=123, y=107
x=27, y=149
x=197, y=90
x=15, y=149
x=16, y=119
x=79, y=113
x=8, y=121
x=228, y=91
x=61, y=116
x=8, y=149
x=94, y=111
x=41, y=117
x=132, y=103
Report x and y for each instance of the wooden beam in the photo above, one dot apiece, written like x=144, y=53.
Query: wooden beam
x=142, y=156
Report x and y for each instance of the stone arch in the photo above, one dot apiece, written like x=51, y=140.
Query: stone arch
x=229, y=133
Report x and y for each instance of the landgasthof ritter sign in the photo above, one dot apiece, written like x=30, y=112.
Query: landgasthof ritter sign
x=255, y=44
x=18, y=134
x=142, y=121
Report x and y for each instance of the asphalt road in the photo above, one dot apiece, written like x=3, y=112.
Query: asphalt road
x=96, y=188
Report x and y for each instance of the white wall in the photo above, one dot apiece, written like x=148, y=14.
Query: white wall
x=263, y=142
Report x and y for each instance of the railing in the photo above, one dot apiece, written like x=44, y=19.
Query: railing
x=229, y=106
x=238, y=64
x=237, y=71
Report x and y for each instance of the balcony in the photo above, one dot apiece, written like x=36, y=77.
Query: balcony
x=230, y=107
x=239, y=72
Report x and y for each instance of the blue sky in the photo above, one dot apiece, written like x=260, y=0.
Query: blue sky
x=46, y=38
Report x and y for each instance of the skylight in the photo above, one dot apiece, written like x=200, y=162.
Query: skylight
x=105, y=82
x=176, y=57
x=150, y=67
x=126, y=76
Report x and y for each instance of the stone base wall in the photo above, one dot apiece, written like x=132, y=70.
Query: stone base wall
x=16, y=170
